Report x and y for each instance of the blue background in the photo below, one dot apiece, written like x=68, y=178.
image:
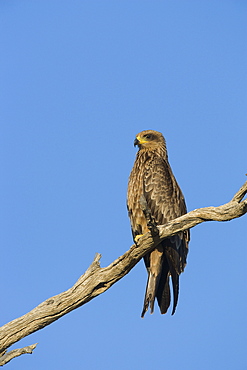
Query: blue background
x=79, y=79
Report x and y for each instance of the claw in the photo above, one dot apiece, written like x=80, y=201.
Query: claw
x=137, y=237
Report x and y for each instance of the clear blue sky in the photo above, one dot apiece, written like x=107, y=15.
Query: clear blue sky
x=78, y=80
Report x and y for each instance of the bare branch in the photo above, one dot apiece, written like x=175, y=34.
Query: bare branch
x=15, y=353
x=97, y=280
x=240, y=194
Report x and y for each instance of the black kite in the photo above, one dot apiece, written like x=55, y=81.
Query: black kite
x=152, y=178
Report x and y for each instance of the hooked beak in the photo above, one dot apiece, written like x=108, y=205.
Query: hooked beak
x=136, y=142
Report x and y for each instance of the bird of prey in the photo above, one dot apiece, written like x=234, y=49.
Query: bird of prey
x=152, y=178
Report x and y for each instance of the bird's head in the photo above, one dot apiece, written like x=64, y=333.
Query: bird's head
x=149, y=140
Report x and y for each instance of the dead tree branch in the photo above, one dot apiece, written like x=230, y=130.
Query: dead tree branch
x=4, y=359
x=97, y=280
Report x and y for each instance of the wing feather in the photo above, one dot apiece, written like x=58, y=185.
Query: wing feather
x=166, y=202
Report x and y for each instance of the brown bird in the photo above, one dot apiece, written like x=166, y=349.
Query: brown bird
x=152, y=178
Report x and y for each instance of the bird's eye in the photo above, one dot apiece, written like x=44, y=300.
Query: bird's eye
x=148, y=136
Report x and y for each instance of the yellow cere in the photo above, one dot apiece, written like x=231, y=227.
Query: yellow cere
x=141, y=141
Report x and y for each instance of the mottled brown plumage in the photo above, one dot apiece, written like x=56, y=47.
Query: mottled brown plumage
x=152, y=178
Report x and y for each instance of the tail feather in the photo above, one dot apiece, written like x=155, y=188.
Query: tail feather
x=175, y=287
x=150, y=293
x=175, y=278
x=163, y=292
x=158, y=285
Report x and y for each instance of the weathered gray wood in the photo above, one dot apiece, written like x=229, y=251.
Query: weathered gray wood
x=15, y=353
x=97, y=280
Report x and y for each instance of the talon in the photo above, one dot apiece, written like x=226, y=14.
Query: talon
x=137, y=237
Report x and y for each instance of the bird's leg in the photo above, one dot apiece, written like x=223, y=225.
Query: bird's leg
x=137, y=237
